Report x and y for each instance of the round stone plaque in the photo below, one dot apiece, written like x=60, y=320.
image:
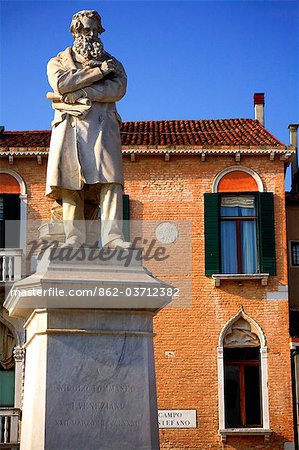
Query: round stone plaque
x=166, y=233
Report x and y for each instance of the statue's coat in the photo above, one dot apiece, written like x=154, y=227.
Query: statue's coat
x=85, y=150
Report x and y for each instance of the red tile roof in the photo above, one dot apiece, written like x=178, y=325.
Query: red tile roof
x=167, y=134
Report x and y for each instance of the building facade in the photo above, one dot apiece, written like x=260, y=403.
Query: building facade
x=226, y=356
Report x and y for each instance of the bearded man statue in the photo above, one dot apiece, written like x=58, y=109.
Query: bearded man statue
x=84, y=170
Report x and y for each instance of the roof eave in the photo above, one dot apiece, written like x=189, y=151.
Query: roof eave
x=285, y=152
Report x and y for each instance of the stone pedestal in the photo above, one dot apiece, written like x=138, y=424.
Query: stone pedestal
x=90, y=377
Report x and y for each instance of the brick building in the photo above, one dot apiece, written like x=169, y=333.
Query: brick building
x=226, y=356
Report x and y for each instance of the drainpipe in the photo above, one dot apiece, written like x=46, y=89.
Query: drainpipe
x=295, y=394
x=293, y=127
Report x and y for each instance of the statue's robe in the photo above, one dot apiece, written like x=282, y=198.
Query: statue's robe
x=85, y=150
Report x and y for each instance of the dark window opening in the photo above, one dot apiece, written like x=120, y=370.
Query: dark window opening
x=9, y=221
x=294, y=324
x=242, y=387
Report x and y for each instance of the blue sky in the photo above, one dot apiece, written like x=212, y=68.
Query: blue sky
x=184, y=59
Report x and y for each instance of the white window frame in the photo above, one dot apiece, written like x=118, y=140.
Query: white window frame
x=265, y=429
x=247, y=170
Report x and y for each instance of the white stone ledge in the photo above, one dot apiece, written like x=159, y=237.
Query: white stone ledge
x=266, y=432
x=219, y=277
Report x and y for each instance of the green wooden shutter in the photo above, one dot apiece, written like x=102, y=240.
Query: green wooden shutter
x=7, y=387
x=266, y=232
x=126, y=217
x=212, y=235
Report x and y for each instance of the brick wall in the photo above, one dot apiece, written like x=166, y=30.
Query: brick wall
x=163, y=190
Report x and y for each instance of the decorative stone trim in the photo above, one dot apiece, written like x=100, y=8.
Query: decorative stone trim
x=266, y=432
x=19, y=356
x=14, y=174
x=284, y=153
x=18, y=353
x=247, y=170
x=218, y=277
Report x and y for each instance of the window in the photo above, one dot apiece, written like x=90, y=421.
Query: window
x=13, y=209
x=242, y=387
x=239, y=233
x=294, y=253
x=10, y=210
x=7, y=366
x=243, y=378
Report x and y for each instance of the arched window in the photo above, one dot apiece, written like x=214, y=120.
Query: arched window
x=13, y=208
x=7, y=366
x=11, y=380
x=239, y=225
x=242, y=375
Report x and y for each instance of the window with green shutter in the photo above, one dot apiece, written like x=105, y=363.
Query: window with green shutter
x=239, y=233
x=212, y=234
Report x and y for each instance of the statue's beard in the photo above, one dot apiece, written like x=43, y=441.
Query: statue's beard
x=89, y=48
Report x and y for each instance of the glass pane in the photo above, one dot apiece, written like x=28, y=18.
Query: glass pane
x=1, y=208
x=252, y=396
x=295, y=253
x=229, y=211
x=232, y=396
x=248, y=243
x=247, y=212
x=229, y=259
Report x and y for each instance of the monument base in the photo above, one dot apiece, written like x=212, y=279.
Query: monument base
x=89, y=375
x=89, y=381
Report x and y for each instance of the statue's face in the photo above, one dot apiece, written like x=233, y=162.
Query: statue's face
x=89, y=28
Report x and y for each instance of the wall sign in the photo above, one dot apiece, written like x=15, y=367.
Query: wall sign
x=177, y=418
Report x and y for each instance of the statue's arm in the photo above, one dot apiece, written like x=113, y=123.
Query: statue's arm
x=109, y=90
x=65, y=81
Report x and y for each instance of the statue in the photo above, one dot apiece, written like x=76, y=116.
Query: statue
x=84, y=170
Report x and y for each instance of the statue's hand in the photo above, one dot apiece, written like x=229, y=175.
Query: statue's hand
x=93, y=63
x=72, y=97
x=108, y=67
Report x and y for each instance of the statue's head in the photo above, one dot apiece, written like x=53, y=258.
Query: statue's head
x=87, y=23
x=85, y=27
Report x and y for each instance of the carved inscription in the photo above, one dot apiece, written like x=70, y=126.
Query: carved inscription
x=87, y=409
x=97, y=406
x=104, y=424
x=124, y=388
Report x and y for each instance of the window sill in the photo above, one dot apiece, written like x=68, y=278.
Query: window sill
x=263, y=277
x=266, y=432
